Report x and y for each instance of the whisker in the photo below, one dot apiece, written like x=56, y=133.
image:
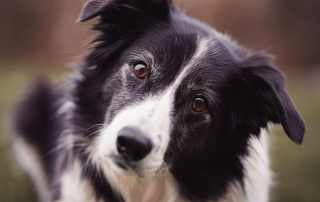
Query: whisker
x=58, y=147
x=101, y=124
x=62, y=143
x=93, y=133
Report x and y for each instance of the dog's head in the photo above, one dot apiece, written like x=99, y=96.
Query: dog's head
x=168, y=88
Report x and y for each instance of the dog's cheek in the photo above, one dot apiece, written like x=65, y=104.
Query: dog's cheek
x=193, y=130
x=107, y=141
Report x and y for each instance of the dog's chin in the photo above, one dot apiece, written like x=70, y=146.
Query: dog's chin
x=134, y=169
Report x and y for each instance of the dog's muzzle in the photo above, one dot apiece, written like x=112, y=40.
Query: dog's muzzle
x=132, y=144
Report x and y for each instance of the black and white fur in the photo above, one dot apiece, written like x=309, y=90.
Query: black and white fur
x=66, y=137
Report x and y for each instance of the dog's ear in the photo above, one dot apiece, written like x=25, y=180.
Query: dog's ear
x=121, y=22
x=262, y=96
x=94, y=8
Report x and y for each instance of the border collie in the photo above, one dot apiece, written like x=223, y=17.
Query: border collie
x=163, y=108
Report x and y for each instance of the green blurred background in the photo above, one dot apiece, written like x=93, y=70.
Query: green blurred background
x=41, y=38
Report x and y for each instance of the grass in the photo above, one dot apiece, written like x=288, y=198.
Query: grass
x=296, y=168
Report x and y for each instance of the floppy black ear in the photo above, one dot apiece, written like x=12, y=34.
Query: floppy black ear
x=263, y=95
x=120, y=23
x=94, y=8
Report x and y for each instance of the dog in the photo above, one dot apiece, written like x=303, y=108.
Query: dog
x=163, y=108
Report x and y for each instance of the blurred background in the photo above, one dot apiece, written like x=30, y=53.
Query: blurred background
x=41, y=38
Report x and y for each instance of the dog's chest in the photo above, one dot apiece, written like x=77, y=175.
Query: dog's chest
x=162, y=189
x=76, y=188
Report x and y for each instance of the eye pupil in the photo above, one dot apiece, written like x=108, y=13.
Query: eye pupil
x=199, y=104
x=140, y=70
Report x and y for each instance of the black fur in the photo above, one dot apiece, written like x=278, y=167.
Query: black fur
x=34, y=119
x=243, y=93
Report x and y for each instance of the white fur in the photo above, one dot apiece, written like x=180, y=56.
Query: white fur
x=257, y=173
x=29, y=160
x=66, y=107
x=75, y=188
x=161, y=188
x=152, y=117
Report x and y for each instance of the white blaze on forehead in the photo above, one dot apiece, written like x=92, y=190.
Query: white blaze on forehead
x=202, y=48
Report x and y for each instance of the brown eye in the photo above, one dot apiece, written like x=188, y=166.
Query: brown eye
x=140, y=70
x=199, y=104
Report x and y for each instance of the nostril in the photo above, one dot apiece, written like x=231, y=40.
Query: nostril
x=122, y=141
x=121, y=144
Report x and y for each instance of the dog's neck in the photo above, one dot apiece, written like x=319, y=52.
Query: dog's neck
x=166, y=188
x=257, y=176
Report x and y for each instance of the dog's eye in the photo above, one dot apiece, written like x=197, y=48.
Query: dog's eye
x=199, y=104
x=140, y=70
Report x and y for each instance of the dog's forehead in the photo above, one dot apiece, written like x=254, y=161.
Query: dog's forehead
x=173, y=49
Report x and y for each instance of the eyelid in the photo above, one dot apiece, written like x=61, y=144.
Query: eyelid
x=140, y=59
x=137, y=62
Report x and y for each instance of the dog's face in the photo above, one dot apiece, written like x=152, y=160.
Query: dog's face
x=159, y=96
x=172, y=89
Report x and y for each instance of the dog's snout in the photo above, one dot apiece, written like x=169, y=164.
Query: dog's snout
x=132, y=144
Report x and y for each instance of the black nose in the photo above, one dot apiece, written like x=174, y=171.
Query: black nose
x=132, y=144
